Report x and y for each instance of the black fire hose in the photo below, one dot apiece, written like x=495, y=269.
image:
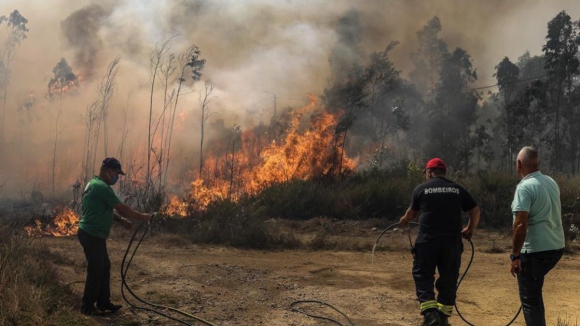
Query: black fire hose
x=294, y=308
x=156, y=308
x=460, y=279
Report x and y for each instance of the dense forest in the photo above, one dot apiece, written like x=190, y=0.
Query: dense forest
x=438, y=113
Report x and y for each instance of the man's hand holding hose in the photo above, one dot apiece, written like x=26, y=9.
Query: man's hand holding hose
x=147, y=217
x=410, y=215
x=151, y=216
x=474, y=215
x=123, y=210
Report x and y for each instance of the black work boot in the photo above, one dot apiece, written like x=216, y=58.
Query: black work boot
x=89, y=310
x=444, y=319
x=108, y=307
x=431, y=318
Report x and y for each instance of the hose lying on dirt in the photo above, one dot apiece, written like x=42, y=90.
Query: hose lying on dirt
x=318, y=316
x=156, y=308
x=329, y=305
x=379, y=238
x=458, y=282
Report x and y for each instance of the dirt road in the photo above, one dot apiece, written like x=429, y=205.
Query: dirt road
x=243, y=287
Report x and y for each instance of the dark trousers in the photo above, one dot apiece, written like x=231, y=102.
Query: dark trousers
x=97, y=285
x=535, y=266
x=443, y=254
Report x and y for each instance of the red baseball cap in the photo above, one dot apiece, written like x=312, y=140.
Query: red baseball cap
x=436, y=163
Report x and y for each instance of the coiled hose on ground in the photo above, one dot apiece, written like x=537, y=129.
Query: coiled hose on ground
x=151, y=307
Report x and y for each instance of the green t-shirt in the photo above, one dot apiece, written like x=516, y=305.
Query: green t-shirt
x=98, y=201
x=539, y=195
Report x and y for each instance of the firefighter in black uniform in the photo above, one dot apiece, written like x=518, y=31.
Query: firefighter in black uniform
x=440, y=203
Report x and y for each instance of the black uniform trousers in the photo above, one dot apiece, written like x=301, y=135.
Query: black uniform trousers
x=97, y=285
x=443, y=254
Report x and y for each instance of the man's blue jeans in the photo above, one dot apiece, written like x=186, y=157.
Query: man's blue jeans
x=535, y=266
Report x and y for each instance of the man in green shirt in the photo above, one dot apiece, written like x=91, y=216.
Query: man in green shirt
x=538, y=235
x=99, y=202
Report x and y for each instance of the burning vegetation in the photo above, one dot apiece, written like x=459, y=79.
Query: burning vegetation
x=63, y=81
x=62, y=224
x=307, y=148
x=301, y=153
x=370, y=116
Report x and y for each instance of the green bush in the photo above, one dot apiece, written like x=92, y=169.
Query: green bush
x=296, y=199
x=494, y=195
x=369, y=194
x=362, y=196
x=225, y=222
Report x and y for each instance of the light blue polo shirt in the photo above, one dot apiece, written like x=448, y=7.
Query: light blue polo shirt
x=539, y=195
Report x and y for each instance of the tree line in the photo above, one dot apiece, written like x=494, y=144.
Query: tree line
x=438, y=112
x=384, y=118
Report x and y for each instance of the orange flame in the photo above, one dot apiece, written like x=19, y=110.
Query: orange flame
x=249, y=167
x=175, y=207
x=56, y=89
x=71, y=85
x=64, y=224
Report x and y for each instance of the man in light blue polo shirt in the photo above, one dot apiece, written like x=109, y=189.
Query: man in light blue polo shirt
x=538, y=235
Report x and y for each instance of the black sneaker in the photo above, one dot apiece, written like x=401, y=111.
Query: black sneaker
x=109, y=307
x=89, y=310
x=431, y=318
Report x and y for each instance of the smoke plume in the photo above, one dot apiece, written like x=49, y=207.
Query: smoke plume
x=81, y=32
x=260, y=54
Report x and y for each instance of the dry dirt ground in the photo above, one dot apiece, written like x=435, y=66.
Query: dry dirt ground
x=228, y=286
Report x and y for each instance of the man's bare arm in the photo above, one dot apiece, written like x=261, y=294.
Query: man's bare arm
x=474, y=215
x=519, y=237
x=410, y=215
x=520, y=230
x=128, y=212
